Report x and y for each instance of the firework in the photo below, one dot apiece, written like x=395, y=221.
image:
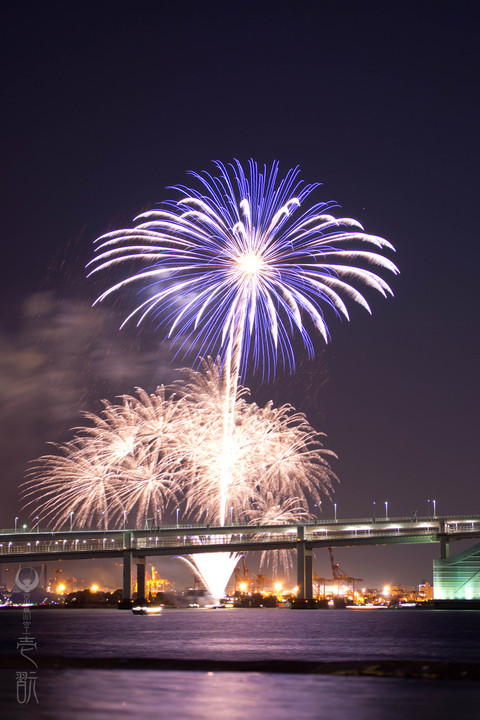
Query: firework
x=127, y=460
x=232, y=269
x=150, y=452
x=271, y=453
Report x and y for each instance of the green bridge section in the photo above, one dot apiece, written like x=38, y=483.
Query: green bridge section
x=458, y=577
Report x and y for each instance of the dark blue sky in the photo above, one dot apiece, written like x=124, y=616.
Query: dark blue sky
x=102, y=110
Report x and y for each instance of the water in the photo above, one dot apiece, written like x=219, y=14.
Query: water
x=241, y=635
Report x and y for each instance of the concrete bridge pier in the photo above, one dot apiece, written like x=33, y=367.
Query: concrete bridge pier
x=443, y=540
x=304, y=567
x=128, y=560
x=127, y=575
x=140, y=563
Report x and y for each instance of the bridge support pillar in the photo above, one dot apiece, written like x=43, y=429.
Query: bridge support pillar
x=304, y=567
x=443, y=540
x=140, y=563
x=127, y=575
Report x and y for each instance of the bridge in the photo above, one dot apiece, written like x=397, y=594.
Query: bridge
x=135, y=545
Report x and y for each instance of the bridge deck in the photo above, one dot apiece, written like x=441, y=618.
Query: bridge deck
x=188, y=539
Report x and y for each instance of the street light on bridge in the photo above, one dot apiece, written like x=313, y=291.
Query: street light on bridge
x=71, y=520
x=386, y=509
x=16, y=520
x=335, y=511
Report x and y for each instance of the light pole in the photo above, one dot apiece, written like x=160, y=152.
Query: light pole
x=231, y=515
x=16, y=520
x=434, y=508
x=124, y=519
x=38, y=524
x=428, y=506
x=71, y=520
x=177, y=511
x=374, y=504
x=386, y=509
x=335, y=511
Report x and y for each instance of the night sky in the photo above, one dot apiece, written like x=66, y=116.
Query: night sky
x=103, y=110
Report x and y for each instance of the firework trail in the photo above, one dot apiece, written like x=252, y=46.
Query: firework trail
x=273, y=452
x=233, y=268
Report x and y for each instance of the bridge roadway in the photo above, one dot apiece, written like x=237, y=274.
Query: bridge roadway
x=135, y=545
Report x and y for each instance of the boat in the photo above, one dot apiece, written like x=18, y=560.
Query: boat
x=147, y=609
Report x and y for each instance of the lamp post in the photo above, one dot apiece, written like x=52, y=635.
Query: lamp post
x=335, y=511
x=124, y=519
x=231, y=515
x=38, y=524
x=177, y=512
x=374, y=508
x=16, y=520
x=434, y=508
x=428, y=508
x=71, y=520
x=386, y=509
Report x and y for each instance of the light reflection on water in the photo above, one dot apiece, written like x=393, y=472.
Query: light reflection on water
x=96, y=695
x=254, y=634
x=248, y=634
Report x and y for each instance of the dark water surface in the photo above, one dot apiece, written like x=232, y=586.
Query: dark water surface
x=253, y=635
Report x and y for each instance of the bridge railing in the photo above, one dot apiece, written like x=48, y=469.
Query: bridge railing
x=95, y=541
x=58, y=546
x=189, y=529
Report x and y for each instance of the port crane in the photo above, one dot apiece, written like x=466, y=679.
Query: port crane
x=340, y=576
x=255, y=583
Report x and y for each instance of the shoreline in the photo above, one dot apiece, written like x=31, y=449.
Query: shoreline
x=415, y=669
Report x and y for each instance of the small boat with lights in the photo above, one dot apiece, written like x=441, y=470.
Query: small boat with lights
x=147, y=609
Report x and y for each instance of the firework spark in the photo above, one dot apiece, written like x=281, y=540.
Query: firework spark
x=272, y=452
x=127, y=461
x=231, y=269
x=149, y=452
